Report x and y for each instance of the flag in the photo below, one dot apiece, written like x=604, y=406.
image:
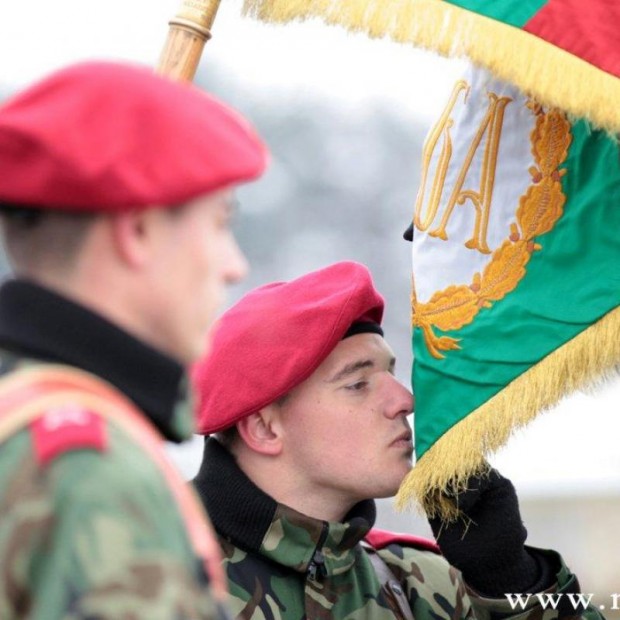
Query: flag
x=516, y=248
x=516, y=273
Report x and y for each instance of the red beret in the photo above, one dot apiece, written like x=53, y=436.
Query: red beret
x=276, y=337
x=102, y=136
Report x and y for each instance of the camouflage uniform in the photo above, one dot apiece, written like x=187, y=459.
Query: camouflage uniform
x=94, y=531
x=285, y=565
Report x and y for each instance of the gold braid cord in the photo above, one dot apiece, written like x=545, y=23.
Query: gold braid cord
x=539, y=209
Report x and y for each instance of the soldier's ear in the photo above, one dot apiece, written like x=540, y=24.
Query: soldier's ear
x=262, y=431
x=136, y=233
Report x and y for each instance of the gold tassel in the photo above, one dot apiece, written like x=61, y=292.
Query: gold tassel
x=550, y=75
x=461, y=451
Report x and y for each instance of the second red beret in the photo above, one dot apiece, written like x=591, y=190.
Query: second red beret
x=276, y=337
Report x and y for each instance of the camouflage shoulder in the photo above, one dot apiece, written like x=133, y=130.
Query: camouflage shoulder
x=434, y=588
x=54, y=431
x=120, y=546
x=67, y=428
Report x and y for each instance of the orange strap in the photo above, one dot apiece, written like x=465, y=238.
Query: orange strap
x=28, y=393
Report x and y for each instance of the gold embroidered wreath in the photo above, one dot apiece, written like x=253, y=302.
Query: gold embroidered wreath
x=539, y=209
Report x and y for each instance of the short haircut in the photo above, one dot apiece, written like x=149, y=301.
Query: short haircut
x=34, y=238
x=228, y=437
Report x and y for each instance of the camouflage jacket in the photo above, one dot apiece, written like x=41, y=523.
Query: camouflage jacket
x=89, y=528
x=283, y=565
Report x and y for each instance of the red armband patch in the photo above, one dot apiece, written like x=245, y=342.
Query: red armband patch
x=67, y=428
x=379, y=539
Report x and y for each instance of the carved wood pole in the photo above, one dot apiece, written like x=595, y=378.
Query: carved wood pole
x=189, y=31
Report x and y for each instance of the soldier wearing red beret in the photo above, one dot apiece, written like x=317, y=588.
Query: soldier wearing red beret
x=116, y=193
x=309, y=426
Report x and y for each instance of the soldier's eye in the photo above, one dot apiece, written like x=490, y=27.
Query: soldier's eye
x=358, y=386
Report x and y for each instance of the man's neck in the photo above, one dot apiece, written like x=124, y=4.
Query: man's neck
x=245, y=515
x=280, y=483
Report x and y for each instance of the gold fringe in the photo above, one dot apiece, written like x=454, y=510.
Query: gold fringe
x=550, y=75
x=590, y=356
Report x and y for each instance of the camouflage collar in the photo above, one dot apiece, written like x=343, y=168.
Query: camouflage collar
x=253, y=521
x=299, y=542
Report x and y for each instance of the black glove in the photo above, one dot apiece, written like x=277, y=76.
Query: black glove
x=486, y=543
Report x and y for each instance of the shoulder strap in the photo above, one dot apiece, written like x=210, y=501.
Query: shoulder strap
x=28, y=393
x=388, y=580
x=379, y=539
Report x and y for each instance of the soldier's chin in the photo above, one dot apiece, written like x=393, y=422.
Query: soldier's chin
x=387, y=493
x=404, y=476
x=392, y=490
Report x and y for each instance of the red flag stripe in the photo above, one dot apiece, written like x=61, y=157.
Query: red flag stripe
x=588, y=29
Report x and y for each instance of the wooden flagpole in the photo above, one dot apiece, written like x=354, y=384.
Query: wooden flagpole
x=189, y=31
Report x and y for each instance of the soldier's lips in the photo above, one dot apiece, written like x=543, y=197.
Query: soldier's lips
x=404, y=440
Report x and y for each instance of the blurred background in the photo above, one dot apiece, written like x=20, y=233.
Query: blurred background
x=345, y=119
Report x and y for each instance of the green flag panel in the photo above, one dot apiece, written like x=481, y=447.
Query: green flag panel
x=570, y=284
x=513, y=12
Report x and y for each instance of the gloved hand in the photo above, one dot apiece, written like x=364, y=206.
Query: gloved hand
x=486, y=543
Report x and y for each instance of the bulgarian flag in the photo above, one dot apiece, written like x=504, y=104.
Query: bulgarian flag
x=516, y=266
x=516, y=245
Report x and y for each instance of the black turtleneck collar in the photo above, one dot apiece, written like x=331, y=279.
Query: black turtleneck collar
x=241, y=512
x=37, y=323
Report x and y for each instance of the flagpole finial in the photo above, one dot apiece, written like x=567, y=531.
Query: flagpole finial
x=190, y=29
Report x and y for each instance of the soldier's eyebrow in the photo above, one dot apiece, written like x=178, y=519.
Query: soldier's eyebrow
x=350, y=369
